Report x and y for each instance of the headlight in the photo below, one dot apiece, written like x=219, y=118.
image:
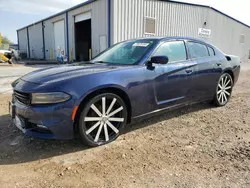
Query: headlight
x=49, y=98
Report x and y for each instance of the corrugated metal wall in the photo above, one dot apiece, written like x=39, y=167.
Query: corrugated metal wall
x=172, y=19
x=226, y=35
x=99, y=24
x=128, y=19
x=50, y=49
x=175, y=19
x=23, y=40
x=99, y=19
x=36, y=41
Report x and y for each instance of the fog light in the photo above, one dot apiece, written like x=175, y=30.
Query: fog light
x=42, y=126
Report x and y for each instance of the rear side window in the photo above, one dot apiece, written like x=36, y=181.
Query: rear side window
x=211, y=51
x=197, y=50
x=175, y=50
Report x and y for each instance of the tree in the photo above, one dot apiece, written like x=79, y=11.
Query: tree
x=0, y=40
x=5, y=40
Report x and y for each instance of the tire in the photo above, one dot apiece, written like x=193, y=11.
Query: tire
x=97, y=128
x=223, y=90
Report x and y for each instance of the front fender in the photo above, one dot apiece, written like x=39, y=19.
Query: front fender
x=100, y=87
x=132, y=82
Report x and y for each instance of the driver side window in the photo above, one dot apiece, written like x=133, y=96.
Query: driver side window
x=174, y=50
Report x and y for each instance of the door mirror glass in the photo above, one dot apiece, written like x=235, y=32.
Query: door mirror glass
x=159, y=60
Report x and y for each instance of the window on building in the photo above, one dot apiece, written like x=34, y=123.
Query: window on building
x=175, y=51
x=242, y=39
x=211, y=51
x=197, y=50
x=150, y=25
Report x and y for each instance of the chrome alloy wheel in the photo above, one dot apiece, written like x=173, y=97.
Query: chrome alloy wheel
x=103, y=119
x=224, y=89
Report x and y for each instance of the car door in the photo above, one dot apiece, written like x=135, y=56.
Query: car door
x=173, y=80
x=207, y=69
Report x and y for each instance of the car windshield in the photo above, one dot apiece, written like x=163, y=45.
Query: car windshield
x=126, y=53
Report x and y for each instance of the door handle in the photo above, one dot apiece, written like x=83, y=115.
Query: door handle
x=189, y=71
x=218, y=64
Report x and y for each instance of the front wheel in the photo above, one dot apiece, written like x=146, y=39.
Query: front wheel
x=224, y=90
x=102, y=119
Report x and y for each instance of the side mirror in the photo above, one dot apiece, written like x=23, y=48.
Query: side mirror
x=160, y=60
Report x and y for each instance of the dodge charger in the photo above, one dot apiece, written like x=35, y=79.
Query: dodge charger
x=131, y=80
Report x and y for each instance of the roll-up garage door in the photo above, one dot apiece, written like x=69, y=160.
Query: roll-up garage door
x=59, y=36
x=82, y=17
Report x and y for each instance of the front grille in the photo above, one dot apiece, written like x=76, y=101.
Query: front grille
x=32, y=126
x=24, y=98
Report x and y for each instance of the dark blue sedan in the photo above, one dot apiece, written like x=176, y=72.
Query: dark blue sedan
x=129, y=81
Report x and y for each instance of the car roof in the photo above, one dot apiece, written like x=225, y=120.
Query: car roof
x=171, y=38
x=175, y=38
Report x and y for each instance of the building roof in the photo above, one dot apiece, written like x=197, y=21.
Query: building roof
x=60, y=13
x=170, y=1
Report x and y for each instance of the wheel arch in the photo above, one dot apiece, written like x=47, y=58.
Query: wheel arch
x=110, y=89
x=230, y=72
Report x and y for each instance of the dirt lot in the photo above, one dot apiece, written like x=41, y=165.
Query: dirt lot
x=198, y=146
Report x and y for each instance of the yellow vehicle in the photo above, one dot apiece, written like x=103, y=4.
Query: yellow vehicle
x=3, y=57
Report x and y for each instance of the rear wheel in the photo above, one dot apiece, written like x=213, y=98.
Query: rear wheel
x=102, y=119
x=224, y=90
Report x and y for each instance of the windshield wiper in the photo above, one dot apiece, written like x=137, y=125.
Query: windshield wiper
x=100, y=62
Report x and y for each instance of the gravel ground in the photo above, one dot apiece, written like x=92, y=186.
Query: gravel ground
x=196, y=146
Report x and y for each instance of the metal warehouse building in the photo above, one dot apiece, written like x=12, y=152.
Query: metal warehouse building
x=87, y=29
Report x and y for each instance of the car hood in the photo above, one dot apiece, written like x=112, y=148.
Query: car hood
x=55, y=74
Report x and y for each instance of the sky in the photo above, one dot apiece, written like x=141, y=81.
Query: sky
x=15, y=14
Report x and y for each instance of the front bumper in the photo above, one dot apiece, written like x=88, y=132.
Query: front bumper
x=45, y=121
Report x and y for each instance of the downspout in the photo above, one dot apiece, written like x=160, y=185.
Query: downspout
x=109, y=23
x=44, y=57
x=28, y=38
x=67, y=34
